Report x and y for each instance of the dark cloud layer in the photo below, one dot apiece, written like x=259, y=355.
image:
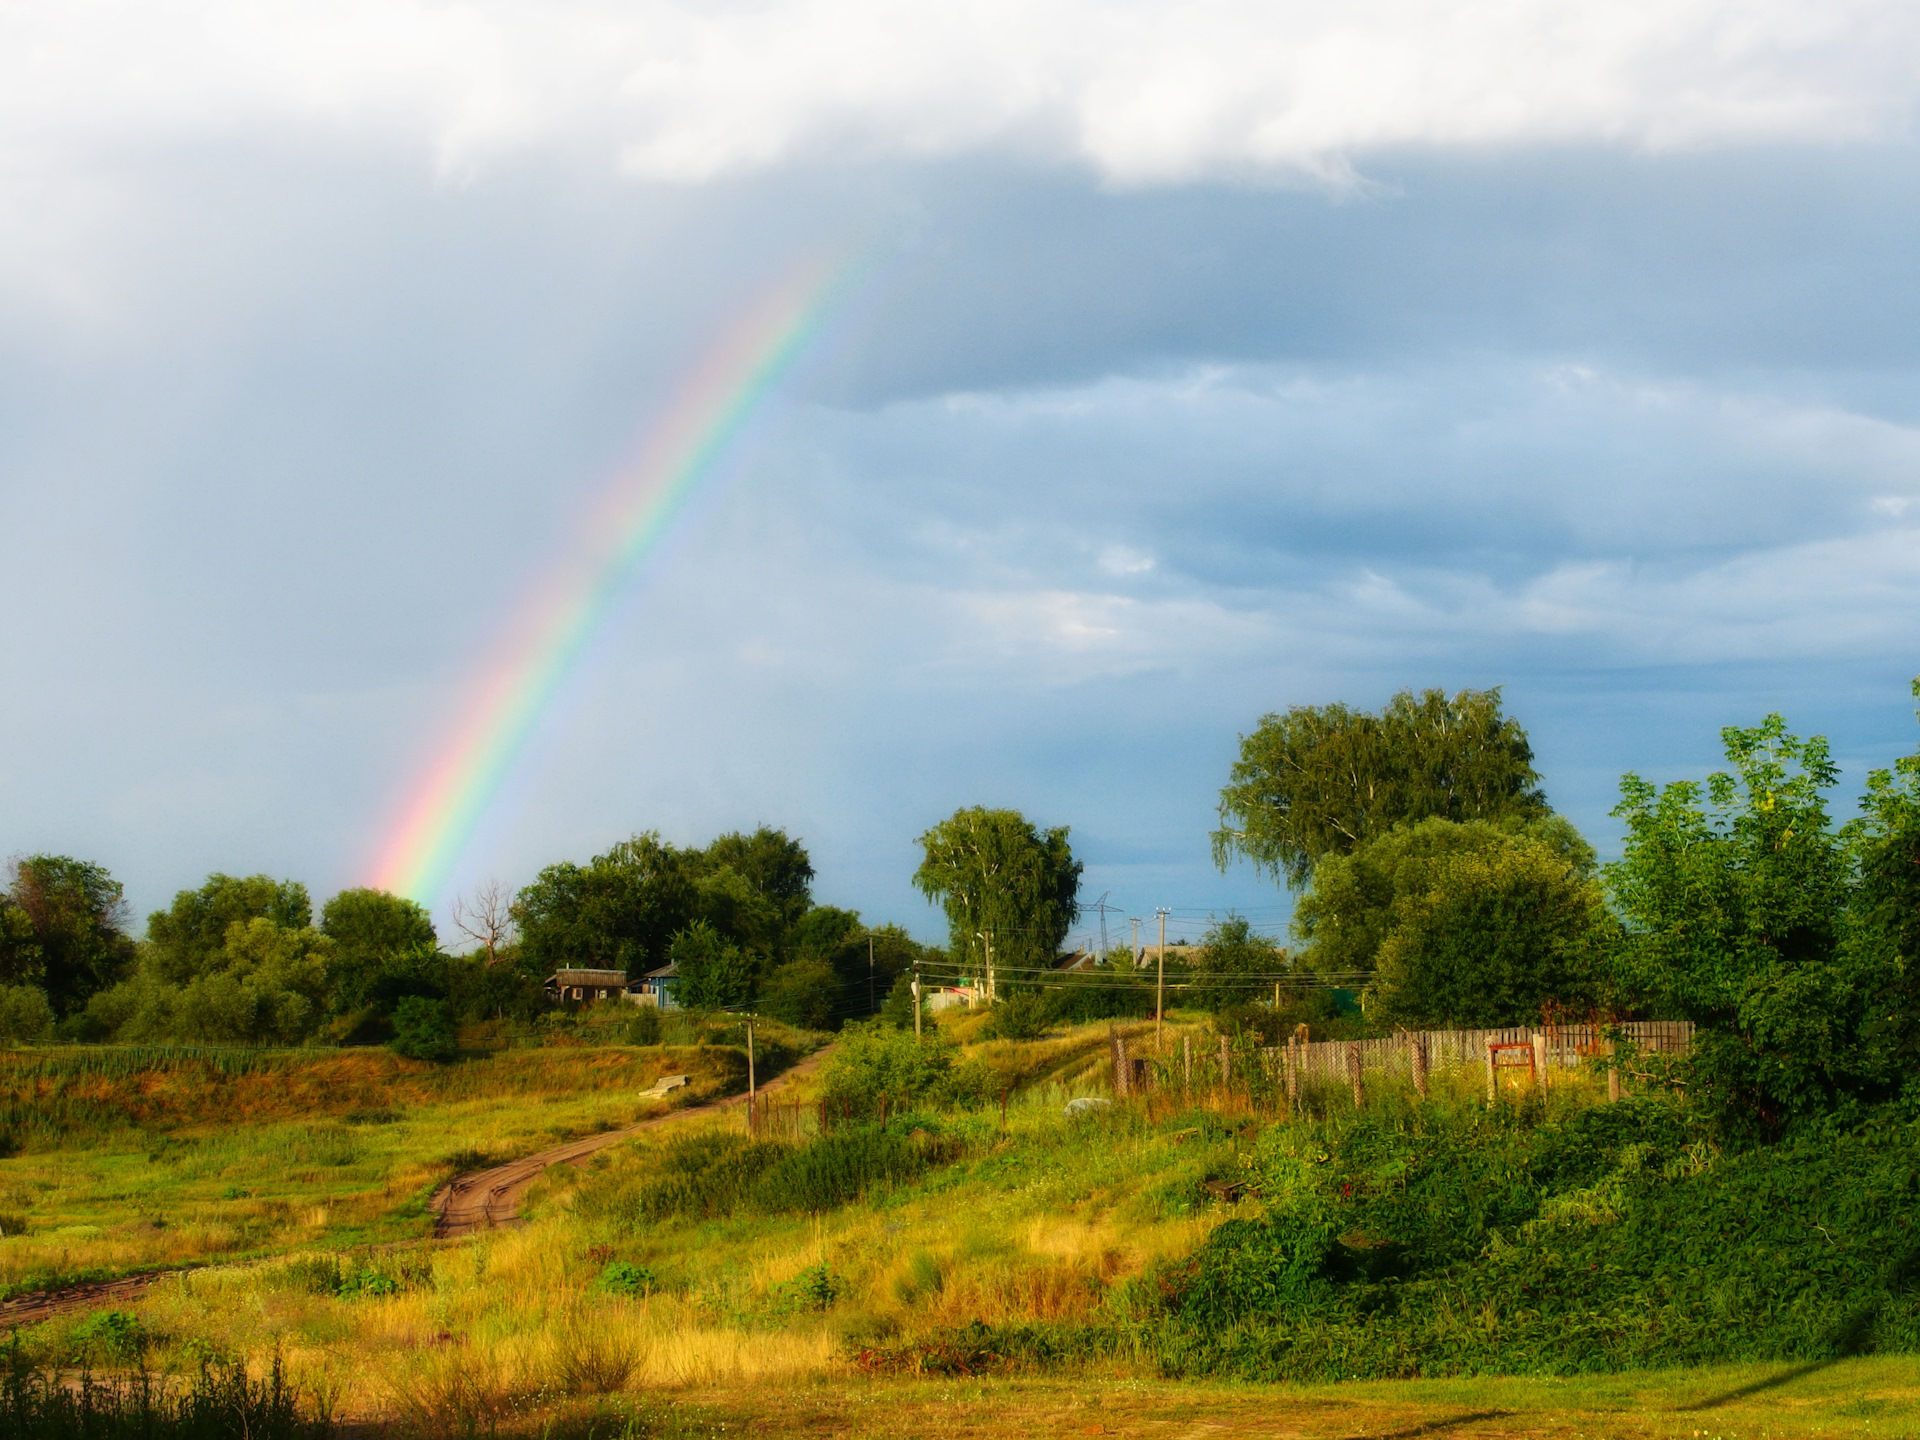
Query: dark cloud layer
x=1093, y=479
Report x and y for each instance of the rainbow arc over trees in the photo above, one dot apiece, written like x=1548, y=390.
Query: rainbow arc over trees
x=525, y=671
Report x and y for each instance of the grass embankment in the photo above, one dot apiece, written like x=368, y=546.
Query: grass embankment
x=134, y=1160
x=951, y=1268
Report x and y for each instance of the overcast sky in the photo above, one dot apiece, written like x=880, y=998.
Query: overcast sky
x=1221, y=357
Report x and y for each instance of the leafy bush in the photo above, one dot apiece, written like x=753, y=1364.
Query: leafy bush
x=644, y=1028
x=1023, y=1015
x=699, y=1177
x=423, y=1029
x=1614, y=1238
x=25, y=1013
x=814, y=1288
x=876, y=1067
x=835, y=1168
x=622, y=1277
x=110, y=1335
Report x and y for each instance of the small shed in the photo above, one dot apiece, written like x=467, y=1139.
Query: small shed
x=655, y=987
x=586, y=986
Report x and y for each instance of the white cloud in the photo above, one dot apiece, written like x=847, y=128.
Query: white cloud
x=671, y=89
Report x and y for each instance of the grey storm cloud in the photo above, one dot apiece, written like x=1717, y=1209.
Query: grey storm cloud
x=1163, y=412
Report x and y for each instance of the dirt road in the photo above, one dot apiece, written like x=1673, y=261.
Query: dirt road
x=478, y=1200
x=482, y=1199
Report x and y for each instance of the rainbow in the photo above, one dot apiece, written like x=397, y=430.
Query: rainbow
x=525, y=672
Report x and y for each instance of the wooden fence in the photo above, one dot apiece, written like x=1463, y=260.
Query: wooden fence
x=1393, y=1056
x=1409, y=1057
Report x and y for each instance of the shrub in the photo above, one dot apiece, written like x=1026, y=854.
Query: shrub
x=814, y=1288
x=114, y=1335
x=877, y=1067
x=644, y=1028
x=1023, y=1015
x=622, y=1277
x=835, y=1168
x=423, y=1029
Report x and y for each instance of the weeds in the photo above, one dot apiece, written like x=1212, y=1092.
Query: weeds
x=221, y=1403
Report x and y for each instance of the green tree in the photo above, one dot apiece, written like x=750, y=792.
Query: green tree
x=995, y=875
x=1321, y=781
x=620, y=911
x=1234, y=965
x=1358, y=897
x=183, y=941
x=423, y=1029
x=711, y=972
x=803, y=992
x=775, y=866
x=384, y=946
x=63, y=929
x=1734, y=895
x=266, y=984
x=1883, y=932
x=1498, y=933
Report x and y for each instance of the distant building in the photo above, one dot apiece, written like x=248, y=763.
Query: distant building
x=586, y=986
x=655, y=987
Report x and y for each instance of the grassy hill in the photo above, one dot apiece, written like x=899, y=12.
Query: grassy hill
x=1199, y=1236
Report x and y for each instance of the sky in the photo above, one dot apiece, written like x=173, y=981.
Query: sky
x=1206, y=359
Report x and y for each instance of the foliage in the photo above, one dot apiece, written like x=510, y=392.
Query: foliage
x=1356, y=898
x=836, y=1168
x=805, y=993
x=1433, y=1243
x=1320, y=781
x=223, y=1402
x=710, y=970
x=1023, y=1015
x=897, y=1011
x=774, y=867
x=624, y=910
x=384, y=946
x=1501, y=933
x=24, y=1013
x=1234, y=965
x=622, y=1277
x=265, y=984
x=188, y=939
x=877, y=1067
x=995, y=875
x=1734, y=896
x=1883, y=936
x=1114, y=989
x=62, y=929
x=617, y=912
x=644, y=1028
x=423, y=1029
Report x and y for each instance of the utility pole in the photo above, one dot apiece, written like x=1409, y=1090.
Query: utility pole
x=1134, y=920
x=1160, y=986
x=985, y=937
x=916, y=1000
x=750, y=1081
x=1102, y=906
x=871, y=1007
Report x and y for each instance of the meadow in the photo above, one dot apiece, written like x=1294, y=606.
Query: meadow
x=126, y=1160
x=1201, y=1259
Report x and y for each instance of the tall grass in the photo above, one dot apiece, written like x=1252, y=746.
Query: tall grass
x=222, y=1402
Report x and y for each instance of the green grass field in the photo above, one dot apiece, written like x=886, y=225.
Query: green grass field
x=627, y=1306
x=176, y=1161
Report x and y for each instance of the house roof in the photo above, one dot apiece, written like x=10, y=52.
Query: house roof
x=668, y=971
x=587, y=977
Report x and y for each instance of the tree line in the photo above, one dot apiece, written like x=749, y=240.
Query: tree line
x=1435, y=881
x=243, y=960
